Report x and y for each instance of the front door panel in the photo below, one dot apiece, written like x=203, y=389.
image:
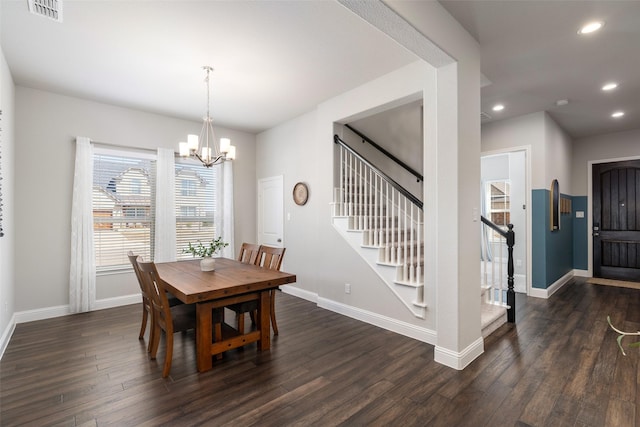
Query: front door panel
x=616, y=220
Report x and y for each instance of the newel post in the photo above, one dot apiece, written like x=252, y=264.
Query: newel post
x=511, y=295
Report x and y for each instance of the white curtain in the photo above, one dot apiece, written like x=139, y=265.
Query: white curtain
x=82, y=277
x=165, y=227
x=224, y=210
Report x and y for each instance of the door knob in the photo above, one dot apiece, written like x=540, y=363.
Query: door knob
x=279, y=240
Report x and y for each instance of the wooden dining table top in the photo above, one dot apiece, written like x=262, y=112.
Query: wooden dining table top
x=189, y=284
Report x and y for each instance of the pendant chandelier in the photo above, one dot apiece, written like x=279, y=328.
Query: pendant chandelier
x=205, y=147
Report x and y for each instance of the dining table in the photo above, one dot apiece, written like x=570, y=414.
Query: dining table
x=231, y=282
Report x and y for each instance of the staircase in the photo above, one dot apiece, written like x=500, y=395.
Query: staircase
x=384, y=224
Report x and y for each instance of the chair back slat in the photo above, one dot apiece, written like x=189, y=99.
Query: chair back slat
x=248, y=253
x=270, y=257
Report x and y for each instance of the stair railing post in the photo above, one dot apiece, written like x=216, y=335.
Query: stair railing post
x=511, y=295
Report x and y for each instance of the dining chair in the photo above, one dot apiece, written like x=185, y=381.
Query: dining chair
x=248, y=253
x=271, y=257
x=146, y=302
x=167, y=318
x=266, y=257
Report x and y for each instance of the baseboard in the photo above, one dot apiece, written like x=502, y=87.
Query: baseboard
x=300, y=293
x=393, y=325
x=63, y=310
x=117, y=301
x=459, y=360
x=581, y=273
x=6, y=335
x=41, y=313
x=555, y=287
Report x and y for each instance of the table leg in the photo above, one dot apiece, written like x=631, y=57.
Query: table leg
x=264, y=316
x=203, y=336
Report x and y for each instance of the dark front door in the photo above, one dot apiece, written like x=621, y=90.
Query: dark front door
x=616, y=220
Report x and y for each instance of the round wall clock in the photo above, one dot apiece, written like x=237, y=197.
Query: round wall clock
x=300, y=193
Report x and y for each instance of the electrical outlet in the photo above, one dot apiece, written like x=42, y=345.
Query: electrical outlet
x=347, y=288
x=518, y=263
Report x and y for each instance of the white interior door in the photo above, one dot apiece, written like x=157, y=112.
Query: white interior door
x=514, y=167
x=271, y=211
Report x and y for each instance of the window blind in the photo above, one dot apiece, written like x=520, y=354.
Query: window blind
x=196, y=200
x=123, y=207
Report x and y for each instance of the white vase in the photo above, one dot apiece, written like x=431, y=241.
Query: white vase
x=207, y=264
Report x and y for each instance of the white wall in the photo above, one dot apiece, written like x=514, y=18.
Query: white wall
x=558, y=156
x=400, y=132
x=303, y=150
x=7, y=168
x=46, y=127
x=522, y=131
x=550, y=146
x=611, y=146
x=451, y=96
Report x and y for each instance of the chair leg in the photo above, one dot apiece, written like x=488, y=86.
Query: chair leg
x=143, y=326
x=217, y=336
x=273, y=312
x=168, y=354
x=152, y=335
x=240, y=318
x=155, y=341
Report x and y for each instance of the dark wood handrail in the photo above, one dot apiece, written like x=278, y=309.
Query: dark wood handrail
x=510, y=237
x=394, y=184
x=386, y=153
x=494, y=227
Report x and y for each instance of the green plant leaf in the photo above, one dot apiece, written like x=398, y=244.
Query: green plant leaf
x=620, y=344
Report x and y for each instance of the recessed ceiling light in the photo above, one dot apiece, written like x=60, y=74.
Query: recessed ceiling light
x=610, y=86
x=591, y=27
x=498, y=107
x=617, y=114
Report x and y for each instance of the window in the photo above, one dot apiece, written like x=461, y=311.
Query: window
x=188, y=210
x=136, y=186
x=195, y=204
x=124, y=206
x=123, y=184
x=188, y=187
x=499, y=202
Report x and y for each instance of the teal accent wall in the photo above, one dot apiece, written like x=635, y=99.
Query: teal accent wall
x=552, y=251
x=580, y=233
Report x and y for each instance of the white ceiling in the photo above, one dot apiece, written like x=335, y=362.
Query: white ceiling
x=275, y=60
x=533, y=56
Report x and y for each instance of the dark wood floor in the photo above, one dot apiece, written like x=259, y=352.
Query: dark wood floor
x=558, y=366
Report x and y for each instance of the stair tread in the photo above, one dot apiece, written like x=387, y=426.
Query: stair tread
x=492, y=317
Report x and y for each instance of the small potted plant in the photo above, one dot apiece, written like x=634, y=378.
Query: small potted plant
x=206, y=252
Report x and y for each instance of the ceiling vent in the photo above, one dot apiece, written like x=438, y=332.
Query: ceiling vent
x=484, y=116
x=51, y=9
